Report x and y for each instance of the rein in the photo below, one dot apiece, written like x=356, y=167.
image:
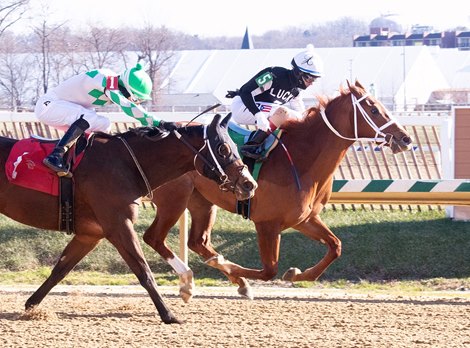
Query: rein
x=294, y=170
x=383, y=140
x=137, y=164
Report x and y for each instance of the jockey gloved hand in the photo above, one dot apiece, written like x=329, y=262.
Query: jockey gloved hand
x=262, y=121
x=169, y=126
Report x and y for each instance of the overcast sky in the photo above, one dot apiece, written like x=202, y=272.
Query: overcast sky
x=230, y=18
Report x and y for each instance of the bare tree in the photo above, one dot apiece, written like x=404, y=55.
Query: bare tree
x=45, y=35
x=15, y=74
x=11, y=12
x=156, y=46
x=103, y=46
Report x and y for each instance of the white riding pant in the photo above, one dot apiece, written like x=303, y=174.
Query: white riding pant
x=241, y=114
x=61, y=114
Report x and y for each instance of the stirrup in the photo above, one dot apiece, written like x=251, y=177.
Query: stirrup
x=61, y=172
x=258, y=156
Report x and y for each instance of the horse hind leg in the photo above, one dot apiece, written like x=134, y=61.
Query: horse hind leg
x=75, y=251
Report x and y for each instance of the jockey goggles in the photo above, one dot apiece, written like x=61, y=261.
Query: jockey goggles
x=307, y=77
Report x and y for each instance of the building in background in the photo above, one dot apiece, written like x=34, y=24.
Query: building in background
x=386, y=31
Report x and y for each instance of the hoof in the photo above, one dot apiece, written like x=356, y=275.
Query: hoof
x=290, y=274
x=186, y=286
x=172, y=320
x=246, y=292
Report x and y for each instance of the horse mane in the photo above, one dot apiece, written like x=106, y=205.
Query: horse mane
x=312, y=114
x=151, y=133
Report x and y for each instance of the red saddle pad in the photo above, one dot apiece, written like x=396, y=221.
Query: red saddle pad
x=24, y=166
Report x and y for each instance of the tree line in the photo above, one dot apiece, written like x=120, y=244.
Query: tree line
x=49, y=52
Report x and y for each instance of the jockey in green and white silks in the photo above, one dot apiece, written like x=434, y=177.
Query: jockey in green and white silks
x=71, y=106
x=82, y=93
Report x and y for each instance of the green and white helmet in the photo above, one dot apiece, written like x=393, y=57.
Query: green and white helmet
x=137, y=82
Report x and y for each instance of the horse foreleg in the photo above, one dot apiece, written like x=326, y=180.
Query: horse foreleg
x=171, y=203
x=269, y=239
x=127, y=244
x=203, y=214
x=156, y=234
x=316, y=229
x=75, y=251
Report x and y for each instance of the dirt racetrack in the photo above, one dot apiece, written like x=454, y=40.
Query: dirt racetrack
x=85, y=316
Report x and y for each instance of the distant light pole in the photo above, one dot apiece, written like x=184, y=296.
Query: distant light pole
x=404, y=77
x=350, y=70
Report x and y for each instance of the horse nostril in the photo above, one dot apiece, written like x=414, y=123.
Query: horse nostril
x=248, y=186
x=407, y=140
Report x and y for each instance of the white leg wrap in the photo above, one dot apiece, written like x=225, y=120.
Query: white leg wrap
x=178, y=265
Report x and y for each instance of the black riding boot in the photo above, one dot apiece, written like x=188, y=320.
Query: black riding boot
x=55, y=160
x=252, y=148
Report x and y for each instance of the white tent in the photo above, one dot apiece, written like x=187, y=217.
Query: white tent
x=397, y=75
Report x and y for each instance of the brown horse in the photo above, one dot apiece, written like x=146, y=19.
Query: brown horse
x=316, y=145
x=116, y=171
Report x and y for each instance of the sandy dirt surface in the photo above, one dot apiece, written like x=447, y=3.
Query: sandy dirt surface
x=85, y=316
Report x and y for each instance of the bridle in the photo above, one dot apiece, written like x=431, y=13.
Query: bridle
x=225, y=184
x=384, y=138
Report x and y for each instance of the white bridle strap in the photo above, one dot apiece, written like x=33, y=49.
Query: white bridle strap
x=219, y=167
x=357, y=105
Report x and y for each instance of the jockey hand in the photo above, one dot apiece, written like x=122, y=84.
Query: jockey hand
x=262, y=121
x=169, y=126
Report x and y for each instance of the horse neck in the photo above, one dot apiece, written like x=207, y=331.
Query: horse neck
x=168, y=158
x=318, y=148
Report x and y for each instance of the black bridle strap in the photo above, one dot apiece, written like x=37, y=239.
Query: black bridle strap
x=220, y=172
x=197, y=153
x=139, y=168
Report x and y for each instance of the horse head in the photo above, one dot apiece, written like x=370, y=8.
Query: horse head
x=223, y=164
x=370, y=120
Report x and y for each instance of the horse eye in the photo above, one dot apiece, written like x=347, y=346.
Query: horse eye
x=224, y=150
x=374, y=111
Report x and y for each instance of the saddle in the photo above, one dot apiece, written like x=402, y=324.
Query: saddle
x=24, y=168
x=241, y=135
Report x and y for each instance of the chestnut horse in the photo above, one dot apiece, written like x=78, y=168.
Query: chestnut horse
x=316, y=145
x=115, y=172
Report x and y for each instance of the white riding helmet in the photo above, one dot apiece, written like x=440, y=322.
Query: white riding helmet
x=308, y=62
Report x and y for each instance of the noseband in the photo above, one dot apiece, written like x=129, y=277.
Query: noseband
x=382, y=140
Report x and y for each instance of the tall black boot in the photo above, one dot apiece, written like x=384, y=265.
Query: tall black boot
x=55, y=160
x=252, y=148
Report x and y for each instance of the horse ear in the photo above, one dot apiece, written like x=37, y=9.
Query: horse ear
x=216, y=119
x=358, y=84
x=225, y=120
x=349, y=83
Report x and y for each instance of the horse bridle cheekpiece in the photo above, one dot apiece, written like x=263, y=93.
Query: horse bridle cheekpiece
x=223, y=150
x=384, y=138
